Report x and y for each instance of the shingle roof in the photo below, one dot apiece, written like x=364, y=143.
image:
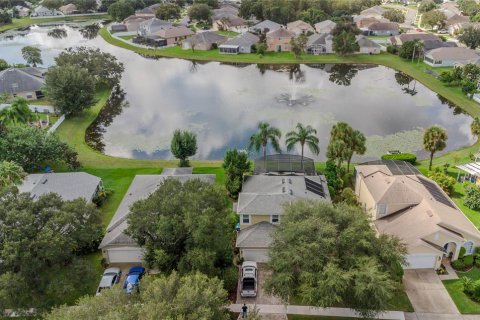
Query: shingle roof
x=173, y=32
x=281, y=33
x=325, y=24
x=266, y=24
x=453, y=53
x=380, y=26
x=317, y=38
x=243, y=40
x=299, y=25
x=258, y=235
x=404, y=37
x=207, y=37
x=69, y=185
x=140, y=188
x=18, y=80
x=364, y=42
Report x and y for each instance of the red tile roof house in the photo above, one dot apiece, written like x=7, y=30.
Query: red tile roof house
x=279, y=40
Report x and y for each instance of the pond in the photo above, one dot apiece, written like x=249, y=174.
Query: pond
x=223, y=103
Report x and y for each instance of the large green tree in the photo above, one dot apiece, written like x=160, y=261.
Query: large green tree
x=328, y=256
x=426, y=5
x=41, y=236
x=235, y=164
x=167, y=11
x=434, y=139
x=298, y=45
x=103, y=66
x=344, y=143
x=468, y=7
x=471, y=37
x=304, y=136
x=434, y=18
x=17, y=113
x=10, y=174
x=32, y=55
x=120, y=10
x=345, y=43
x=3, y=65
x=394, y=15
x=31, y=148
x=52, y=4
x=183, y=146
x=70, y=88
x=313, y=16
x=200, y=12
x=85, y=5
x=411, y=49
x=190, y=297
x=185, y=227
x=266, y=133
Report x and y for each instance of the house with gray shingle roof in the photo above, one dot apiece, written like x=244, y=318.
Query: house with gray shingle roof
x=68, y=185
x=150, y=26
x=319, y=43
x=265, y=26
x=204, y=41
x=116, y=246
x=326, y=26
x=22, y=82
x=450, y=56
x=368, y=46
x=261, y=203
x=240, y=44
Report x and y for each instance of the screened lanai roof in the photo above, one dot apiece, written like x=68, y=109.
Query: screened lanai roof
x=285, y=163
x=472, y=168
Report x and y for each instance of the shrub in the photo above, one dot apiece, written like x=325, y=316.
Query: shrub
x=230, y=278
x=462, y=253
x=458, y=265
x=408, y=157
x=348, y=196
x=392, y=49
x=444, y=181
x=468, y=261
x=472, y=197
x=471, y=288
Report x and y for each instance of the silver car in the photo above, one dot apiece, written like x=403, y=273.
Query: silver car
x=110, y=277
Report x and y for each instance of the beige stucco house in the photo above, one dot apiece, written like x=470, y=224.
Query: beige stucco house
x=279, y=40
x=404, y=203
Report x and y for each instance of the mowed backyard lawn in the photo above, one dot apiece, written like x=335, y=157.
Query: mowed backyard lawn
x=454, y=287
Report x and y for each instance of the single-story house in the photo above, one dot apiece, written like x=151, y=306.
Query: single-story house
x=362, y=21
x=404, y=203
x=450, y=56
x=42, y=11
x=116, y=246
x=173, y=35
x=319, y=43
x=231, y=23
x=368, y=46
x=459, y=27
x=132, y=23
x=204, y=41
x=265, y=26
x=22, y=82
x=151, y=26
x=69, y=9
x=260, y=207
x=400, y=39
x=455, y=19
x=435, y=44
x=68, y=185
x=374, y=12
x=326, y=26
x=242, y=43
x=382, y=29
x=299, y=27
x=279, y=40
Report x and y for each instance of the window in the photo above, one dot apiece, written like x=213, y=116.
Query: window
x=381, y=209
x=468, y=247
x=245, y=219
x=275, y=218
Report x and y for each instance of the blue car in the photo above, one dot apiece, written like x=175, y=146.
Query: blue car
x=133, y=279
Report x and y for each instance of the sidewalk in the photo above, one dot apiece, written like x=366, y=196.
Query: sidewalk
x=313, y=311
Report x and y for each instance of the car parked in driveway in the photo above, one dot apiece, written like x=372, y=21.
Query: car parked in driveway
x=249, y=279
x=110, y=277
x=133, y=278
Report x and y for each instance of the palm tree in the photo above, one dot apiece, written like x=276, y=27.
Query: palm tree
x=303, y=135
x=434, y=139
x=260, y=139
x=10, y=174
x=18, y=112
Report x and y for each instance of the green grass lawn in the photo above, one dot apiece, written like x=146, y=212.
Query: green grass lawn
x=229, y=34
x=300, y=317
x=454, y=287
x=23, y=22
x=128, y=37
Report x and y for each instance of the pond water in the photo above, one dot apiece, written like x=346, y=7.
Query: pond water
x=223, y=103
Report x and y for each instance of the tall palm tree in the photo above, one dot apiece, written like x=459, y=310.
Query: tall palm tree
x=17, y=113
x=260, y=139
x=434, y=139
x=10, y=174
x=303, y=135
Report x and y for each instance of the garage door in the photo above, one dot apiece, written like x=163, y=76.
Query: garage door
x=257, y=255
x=125, y=255
x=421, y=261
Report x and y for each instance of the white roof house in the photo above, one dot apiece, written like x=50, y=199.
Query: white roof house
x=450, y=56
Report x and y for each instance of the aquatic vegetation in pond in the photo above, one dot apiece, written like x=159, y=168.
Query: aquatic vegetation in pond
x=405, y=141
x=91, y=31
x=57, y=33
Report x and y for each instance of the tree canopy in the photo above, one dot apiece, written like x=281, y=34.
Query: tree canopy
x=17, y=113
x=185, y=227
x=32, y=55
x=345, y=43
x=394, y=15
x=103, y=66
x=303, y=135
x=40, y=236
x=120, y=10
x=434, y=18
x=266, y=133
x=31, y=148
x=434, y=139
x=190, y=297
x=70, y=88
x=328, y=255
x=52, y=4
x=344, y=143
x=167, y=11
x=471, y=37
x=200, y=12
x=426, y=5
x=10, y=174
x=183, y=146
x=235, y=164
x=3, y=65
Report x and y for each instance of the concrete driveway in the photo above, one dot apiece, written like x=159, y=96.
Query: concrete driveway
x=262, y=297
x=427, y=293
